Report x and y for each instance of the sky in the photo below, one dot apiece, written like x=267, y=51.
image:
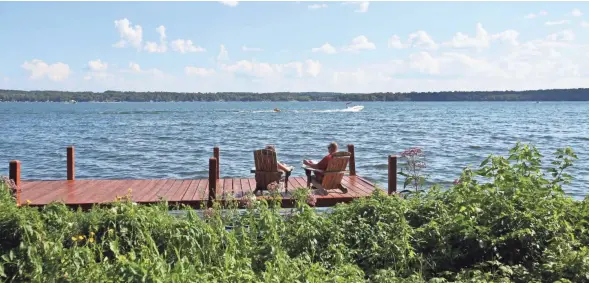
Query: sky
x=293, y=46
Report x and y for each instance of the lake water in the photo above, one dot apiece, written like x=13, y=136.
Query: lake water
x=175, y=140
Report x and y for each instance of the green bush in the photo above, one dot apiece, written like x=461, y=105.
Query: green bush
x=507, y=221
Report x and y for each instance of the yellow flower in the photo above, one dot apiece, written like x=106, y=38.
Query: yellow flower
x=91, y=240
x=74, y=239
x=28, y=201
x=91, y=233
x=81, y=237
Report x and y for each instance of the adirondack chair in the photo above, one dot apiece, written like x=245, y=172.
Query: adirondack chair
x=266, y=170
x=332, y=176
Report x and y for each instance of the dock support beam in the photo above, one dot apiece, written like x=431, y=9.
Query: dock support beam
x=392, y=174
x=216, y=155
x=70, y=163
x=212, y=180
x=352, y=160
x=14, y=175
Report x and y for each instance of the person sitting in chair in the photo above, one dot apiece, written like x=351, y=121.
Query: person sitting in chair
x=322, y=165
x=281, y=166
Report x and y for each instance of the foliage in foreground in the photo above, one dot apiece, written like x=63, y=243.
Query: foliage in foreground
x=516, y=226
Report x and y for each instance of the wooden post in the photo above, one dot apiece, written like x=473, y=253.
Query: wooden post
x=14, y=175
x=352, y=160
x=216, y=155
x=212, y=180
x=70, y=163
x=392, y=174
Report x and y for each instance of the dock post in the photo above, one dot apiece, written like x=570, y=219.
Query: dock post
x=352, y=160
x=14, y=175
x=216, y=155
x=212, y=180
x=70, y=163
x=392, y=174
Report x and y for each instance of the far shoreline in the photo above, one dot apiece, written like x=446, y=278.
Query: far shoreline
x=445, y=96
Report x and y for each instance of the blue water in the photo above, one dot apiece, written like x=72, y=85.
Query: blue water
x=175, y=140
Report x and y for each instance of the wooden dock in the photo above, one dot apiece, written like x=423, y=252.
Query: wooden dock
x=189, y=192
x=196, y=193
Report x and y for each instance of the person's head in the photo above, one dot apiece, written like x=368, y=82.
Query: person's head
x=271, y=147
x=332, y=147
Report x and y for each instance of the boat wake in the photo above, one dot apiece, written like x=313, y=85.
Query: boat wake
x=357, y=108
x=349, y=109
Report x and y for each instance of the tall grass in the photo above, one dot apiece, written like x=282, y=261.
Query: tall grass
x=516, y=226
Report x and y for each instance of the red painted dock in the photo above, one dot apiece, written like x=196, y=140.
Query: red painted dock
x=85, y=193
x=196, y=193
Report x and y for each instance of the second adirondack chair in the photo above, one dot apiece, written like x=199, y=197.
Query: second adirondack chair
x=332, y=176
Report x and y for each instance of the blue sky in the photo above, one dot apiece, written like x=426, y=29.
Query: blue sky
x=293, y=46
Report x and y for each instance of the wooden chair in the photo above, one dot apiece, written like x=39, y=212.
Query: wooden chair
x=266, y=170
x=332, y=176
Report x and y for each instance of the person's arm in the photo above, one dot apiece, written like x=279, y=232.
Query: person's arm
x=321, y=165
x=283, y=167
x=310, y=164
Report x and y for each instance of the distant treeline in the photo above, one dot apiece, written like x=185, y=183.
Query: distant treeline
x=112, y=96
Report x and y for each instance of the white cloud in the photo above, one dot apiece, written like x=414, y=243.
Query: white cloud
x=539, y=14
x=584, y=24
x=481, y=39
x=97, y=69
x=97, y=65
x=508, y=36
x=264, y=70
x=250, y=68
x=230, y=3
x=421, y=39
x=313, y=67
x=363, y=7
x=134, y=67
x=317, y=6
x=565, y=35
x=359, y=43
x=185, y=46
x=129, y=35
x=325, y=48
x=200, y=72
x=251, y=49
x=395, y=42
x=39, y=69
x=424, y=62
x=576, y=13
x=162, y=47
x=223, y=54
x=555, y=23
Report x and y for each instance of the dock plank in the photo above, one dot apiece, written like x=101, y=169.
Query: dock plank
x=191, y=191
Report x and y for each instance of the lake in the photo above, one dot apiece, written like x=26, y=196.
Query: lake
x=175, y=140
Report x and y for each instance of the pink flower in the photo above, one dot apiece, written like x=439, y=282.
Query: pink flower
x=414, y=151
x=457, y=182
